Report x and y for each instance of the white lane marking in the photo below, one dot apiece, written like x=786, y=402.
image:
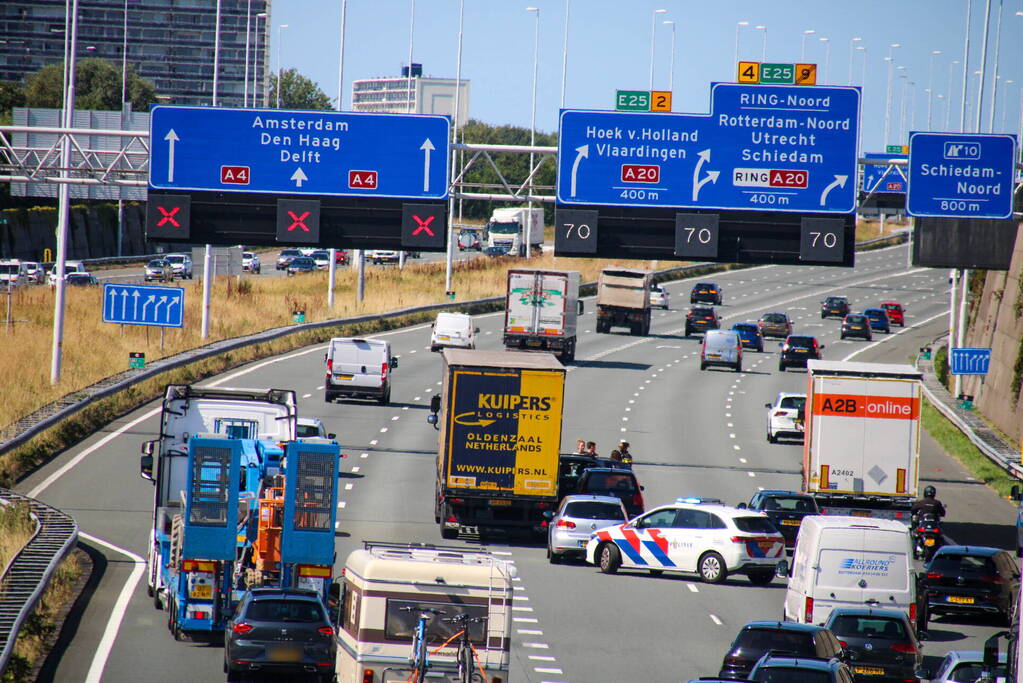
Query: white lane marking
x=418, y=398
x=319, y=388
x=355, y=469
x=742, y=460
x=736, y=447
x=525, y=620
x=374, y=442
x=383, y=429
x=547, y=670
x=529, y=631
x=892, y=336
x=538, y=646
x=731, y=436
x=692, y=588
x=714, y=618
x=623, y=429
x=500, y=552
x=730, y=424
x=752, y=474
x=523, y=598
x=394, y=418
x=427, y=390
x=541, y=658
x=106, y=643
x=342, y=504
x=349, y=486
x=521, y=608
x=306, y=395
x=363, y=455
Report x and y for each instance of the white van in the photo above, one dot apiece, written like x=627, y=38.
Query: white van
x=453, y=330
x=850, y=562
x=359, y=368
x=721, y=347
x=69, y=267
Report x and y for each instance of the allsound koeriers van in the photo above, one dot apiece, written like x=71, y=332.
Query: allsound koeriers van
x=850, y=562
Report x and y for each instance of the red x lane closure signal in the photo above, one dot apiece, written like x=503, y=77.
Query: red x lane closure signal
x=168, y=217
x=423, y=225
x=298, y=221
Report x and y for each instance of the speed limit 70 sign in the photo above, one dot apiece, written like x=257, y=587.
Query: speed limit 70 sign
x=696, y=235
x=822, y=239
x=575, y=232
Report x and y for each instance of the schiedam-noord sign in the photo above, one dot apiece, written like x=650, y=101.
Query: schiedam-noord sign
x=762, y=148
x=957, y=175
x=278, y=151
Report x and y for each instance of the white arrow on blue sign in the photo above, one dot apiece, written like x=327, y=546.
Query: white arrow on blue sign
x=884, y=179
x=970, y=361
x=144, y=305
x=278, y=151
x=957, y=175
x=762, y=148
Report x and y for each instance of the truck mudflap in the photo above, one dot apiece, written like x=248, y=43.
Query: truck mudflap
x=470, y=515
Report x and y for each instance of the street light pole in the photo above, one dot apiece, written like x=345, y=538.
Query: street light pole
x=888, y=97
x=738, y=25
x=827, y=57
x=930, y=88
x=216, y=54
x=966, y=81
x=411, y=36
x=763, y=57
x=980, y=91
x=255, y=60
x=332, y=268
x=653, y=38
x=671, y=67
x=458, y=89
x=207, y=286
x=248, y=38
x=863, y=66
x=280, y=27
x=124, y=126
x=994, y=81
x=948, y=95
x=901, y=131
x=852, y=53
x=564, y=51
x=802, y=48
x=532, y=125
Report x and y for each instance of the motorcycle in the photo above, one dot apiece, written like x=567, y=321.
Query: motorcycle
x=927, y=536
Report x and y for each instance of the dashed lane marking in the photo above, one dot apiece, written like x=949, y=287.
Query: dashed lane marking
x=692, y=588
x=714, y=618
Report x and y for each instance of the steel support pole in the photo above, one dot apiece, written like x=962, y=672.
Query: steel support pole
x=532, y=125
x=449, y=251
x=564, y=48
x=341, y=55
x=216, y=55
x=964, y=295
x=966, y=67
x=248, y=37
x=983, y=65
x=360, y=259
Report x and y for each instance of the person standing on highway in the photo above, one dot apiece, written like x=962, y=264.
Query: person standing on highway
x=616, y=455
x=580, y=446
x=623, y=449
x=591, y=448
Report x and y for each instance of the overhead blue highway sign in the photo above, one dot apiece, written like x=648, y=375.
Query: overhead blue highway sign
x=970, y=361
x=144, y=305
x=279, y=151
x=762, y=148
x=958, y=175
x=886, y=178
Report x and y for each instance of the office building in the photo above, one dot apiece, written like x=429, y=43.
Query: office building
x=417, y=95
x=169, y=42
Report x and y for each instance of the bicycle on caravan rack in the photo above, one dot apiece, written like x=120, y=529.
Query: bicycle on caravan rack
x=469, y=669
x=420, y=659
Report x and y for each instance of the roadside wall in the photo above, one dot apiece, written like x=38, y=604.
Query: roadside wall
x=998, y=322
x=28, y=232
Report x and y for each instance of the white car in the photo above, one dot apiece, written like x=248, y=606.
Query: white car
x=693, y=537
x=312, y=427
x=658, y=297
x=453, y=330
x=785, y=417
x=13, y=273
x=36, y=274
x=382, y=256
x=321, y=257
x=181, y=264
x=250, y=262
x=69, y=267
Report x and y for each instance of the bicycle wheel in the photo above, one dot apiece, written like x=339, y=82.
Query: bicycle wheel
x=466, y=665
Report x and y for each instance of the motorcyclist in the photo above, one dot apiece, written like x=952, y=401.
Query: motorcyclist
x=929, y=504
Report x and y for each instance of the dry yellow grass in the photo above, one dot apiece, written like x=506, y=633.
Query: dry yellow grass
x=94, y=349
x=16, y=529
x=868, y=230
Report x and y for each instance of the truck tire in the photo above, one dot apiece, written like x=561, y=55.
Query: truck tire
x=609, y=558
x=448, y=534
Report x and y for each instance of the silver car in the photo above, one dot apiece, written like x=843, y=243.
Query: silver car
x=570, y=527
x=966, y=666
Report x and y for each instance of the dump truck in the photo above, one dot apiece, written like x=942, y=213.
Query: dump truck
x=861, y=453
x=623, y=300
x=499, y=417
x=541, y=311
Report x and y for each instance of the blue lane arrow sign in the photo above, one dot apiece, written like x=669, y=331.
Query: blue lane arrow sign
x=762, y=148
x=966, y=361
x=280, y=151
x=957, y=175
x=144, y=305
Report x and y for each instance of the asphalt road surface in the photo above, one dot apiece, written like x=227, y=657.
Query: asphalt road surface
x=692, y=432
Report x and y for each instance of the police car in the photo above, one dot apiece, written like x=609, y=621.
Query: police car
x=692, y=535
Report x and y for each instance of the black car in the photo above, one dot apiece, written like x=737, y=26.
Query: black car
x=80, y=280
x=280, y=631
x=835, y=306
x=856, y=325
x=970, y=579
x=786, y=509
x=572, y=465
x=301, y=264
x=622, y=484
x=786, y=669
x=701, y=319
x=497, y=251
x=757, y=638
x=881, y=643
x=705, y=293
x=797, y=349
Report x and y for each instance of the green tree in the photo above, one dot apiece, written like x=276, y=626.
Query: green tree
x=11, y=96
x=298, y=92
x=97, y=86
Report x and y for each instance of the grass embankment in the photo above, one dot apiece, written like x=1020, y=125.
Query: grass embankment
x=16, y=529
x=869, y=230
x=94, y=350
x=955, y=443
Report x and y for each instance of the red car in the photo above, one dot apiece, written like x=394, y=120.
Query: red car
x=896, y=314
x=341, y=257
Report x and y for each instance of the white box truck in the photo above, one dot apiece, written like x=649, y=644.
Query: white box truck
x=861, y=454
x=513, y=227
x=541, y=311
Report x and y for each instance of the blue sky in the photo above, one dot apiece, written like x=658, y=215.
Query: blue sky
x=609, y=48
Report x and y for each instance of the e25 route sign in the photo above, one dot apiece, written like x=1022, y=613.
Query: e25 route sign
x=279, y=151
x=144, y=305
x=762, y=148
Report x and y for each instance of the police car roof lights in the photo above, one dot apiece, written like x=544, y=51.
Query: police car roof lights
x=698, y=500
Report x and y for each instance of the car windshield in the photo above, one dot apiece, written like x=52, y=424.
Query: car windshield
x=9, y=268
x=247, y=255
x=832, y=300
x=793, y=402
x=755, y=525
x=608, y=481
x=762, y=640
x=968, y=672
x=956, y=563
x=157, y=264
x=304, y=611
x=873, y=313
x=784, y=674
x=774, y=318
x=791, y=503
x=855, y=319
x=863, y=626
x=307, y=430
x=588, y=509
x=175, y=259
x=704, y=286
x=303, y=261
x=290, y=252
x=801, y=341
x=702, y=311
x=319, y=254
x=745, y=327
x=890, y=307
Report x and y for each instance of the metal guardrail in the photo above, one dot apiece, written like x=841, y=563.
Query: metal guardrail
x=976, y=430
x=26, y=576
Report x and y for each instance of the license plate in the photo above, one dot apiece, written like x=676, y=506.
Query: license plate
x=532, y=342
x=445, y=338
x=855, y=327
x=344, y=377
x=869, y=670
x=500, y=502
x=201, y=592
x=713, y=355
x=860, y=513
x=285, y=653
x=800, y=350
x=960, y=600
x=928, y=541
x=791, y=522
